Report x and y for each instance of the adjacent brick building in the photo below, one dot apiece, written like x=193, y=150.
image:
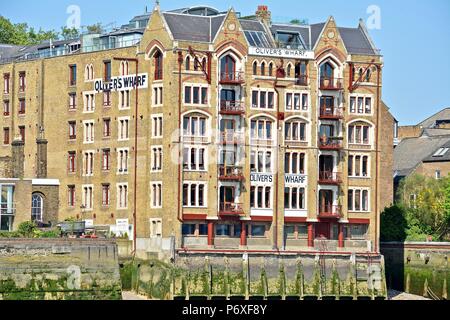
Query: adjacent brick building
x=206, y=131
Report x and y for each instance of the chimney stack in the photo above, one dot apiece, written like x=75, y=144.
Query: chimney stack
x=18, y=158
x=264, y=14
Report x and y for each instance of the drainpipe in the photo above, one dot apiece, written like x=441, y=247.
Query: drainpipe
x=377, y=160
x=180, y=208
x=136, y=61
x=275, y=86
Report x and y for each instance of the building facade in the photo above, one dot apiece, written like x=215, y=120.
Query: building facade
x=212, y=132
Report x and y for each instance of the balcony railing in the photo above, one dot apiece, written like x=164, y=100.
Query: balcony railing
x=333, y=144
x=328, y=177
x=302, y=80
x=7, y=209
x=231, y=173
x=330, y=211
x=232, y=78
x=331, y=113
x=327, y=83
x=229, y=107
x=232, y=138
x=231, y=209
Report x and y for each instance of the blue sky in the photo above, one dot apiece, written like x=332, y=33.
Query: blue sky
x=414, y=37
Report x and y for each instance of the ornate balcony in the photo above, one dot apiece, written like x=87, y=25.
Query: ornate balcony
x=232, y=78
x=330, y=178
x=331, y=144
x=331, y=83
x=330, y=212
x=327, y=113
x=231, y=209
x=233, y=108
x=232, y=138
x=231, y=173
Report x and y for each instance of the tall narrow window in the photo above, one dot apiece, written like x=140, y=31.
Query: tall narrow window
x=6, y=85
x=158, y=61
x=6, y=110
x=21, y=106
x=106, y=159
x=71, y=196
x=72, y=75
x=71, y=162
x=5, y=136
x=22, y=133
x=106, y=198
x=107, y=71
x=22, y=82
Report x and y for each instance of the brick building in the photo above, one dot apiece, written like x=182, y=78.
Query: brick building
x=204, y=130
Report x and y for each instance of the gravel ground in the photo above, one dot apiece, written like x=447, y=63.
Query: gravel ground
x=126, y=295
x=397, y=295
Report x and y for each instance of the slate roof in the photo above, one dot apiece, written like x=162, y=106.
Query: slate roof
x=440, y=116
x=412, y=151
x=356, y=41
x=443, y=158
x=303, y=30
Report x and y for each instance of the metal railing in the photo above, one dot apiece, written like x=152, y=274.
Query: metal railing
x=231, y=173
x=327, y=83
x=232, y=138
x=232, y=107
x=331, y=113
x=231, y=208
x=328, y=177
x=330, y=211
x=302, y=80
x=330, y=143
x=232, y=77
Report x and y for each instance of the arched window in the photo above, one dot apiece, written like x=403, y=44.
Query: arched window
x=263, y=69
x=289, y=70
x=196, y=64
x=228, y=68
x=203, y=64
x=37, y=208
x=368, y=74
x=158, y=57
x=188, y=63
x=360, y=73
x=261, y=128
x=360, y=133
x=195, y=125
x=271, y=69
x=124, y=68
x=326, y=71
x=255, y=68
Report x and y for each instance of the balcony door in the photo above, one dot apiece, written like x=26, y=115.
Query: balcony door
x=227, y=95
x=326, y=201
x=227, y=198
x=327, y=130
x=228, y=68
x=326, y=105
x=326, y=71
x=326, y=164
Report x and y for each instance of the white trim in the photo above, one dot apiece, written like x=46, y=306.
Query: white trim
x=45, y=182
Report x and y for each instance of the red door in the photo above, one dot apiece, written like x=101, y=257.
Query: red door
x=323, y=230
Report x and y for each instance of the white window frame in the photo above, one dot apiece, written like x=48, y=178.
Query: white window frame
x=84, y=199
x=196, y=184
x=197, y=158
x=124, y=95
x=88, y=171
x=258, y=106
x=360, y=123
x=299, y=122
x=156, y=186
x=157, y=95
x=362, y=155
x=156, y=159
x=120, y=197
x=120, y=164
x=88, y=131
x=200, y=86
x=156, y=228
x=301, y=93
x=123, y=126
x=299, y=153
x=254, y=135
x=301, y=206
x=157, y=126
x=256, y=152
x=256, y=187
x=354, y=189
x=89, y=102
x=364, y=97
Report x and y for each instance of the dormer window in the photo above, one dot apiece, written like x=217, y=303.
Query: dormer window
x=290, y=40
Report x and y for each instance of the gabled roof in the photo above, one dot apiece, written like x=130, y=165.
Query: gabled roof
x=303, y=30
x=440, y=116
x=444, y=157
x=195, y=28
x=356, y=41
x=412, y=151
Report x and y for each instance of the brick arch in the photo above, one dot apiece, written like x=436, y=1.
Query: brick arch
x=330, y=49
x=152, y=44
x=240, y=48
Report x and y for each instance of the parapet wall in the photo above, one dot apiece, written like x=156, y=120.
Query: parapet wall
x=63, y=269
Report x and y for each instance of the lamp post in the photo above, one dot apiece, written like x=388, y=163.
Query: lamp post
x=136, y=61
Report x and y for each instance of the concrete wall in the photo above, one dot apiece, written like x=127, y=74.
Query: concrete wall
x=59, y=269
x=412, y=266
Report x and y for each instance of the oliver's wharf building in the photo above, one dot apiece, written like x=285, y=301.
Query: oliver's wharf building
x=201, y=131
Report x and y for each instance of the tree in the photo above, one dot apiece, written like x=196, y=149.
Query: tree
x=21, y=34
x=425, y=200
x=69, y=33
x=298, y=21
x=95, y=28
x=393, y=224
